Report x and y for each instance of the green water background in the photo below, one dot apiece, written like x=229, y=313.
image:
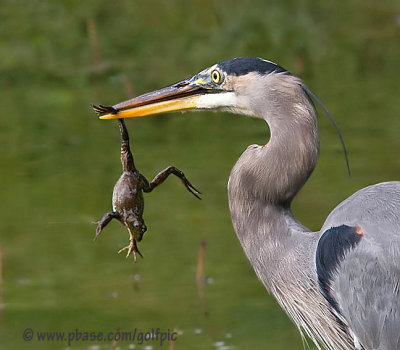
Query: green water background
x=58, y=162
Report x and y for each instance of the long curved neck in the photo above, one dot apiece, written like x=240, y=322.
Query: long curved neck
x=261, y=187
x=265, y=179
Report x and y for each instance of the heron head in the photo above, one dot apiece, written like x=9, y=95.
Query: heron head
x=245, y=85
x=237, y=85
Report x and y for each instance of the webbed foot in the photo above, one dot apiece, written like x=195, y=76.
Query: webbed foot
x=131, y=248
x=193, y=190
x=101, y=110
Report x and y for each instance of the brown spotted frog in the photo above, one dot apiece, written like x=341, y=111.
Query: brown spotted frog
x=127, y=199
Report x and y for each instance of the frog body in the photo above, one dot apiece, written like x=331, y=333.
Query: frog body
x=127, y=199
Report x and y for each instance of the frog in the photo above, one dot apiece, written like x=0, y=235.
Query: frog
x=127, y=198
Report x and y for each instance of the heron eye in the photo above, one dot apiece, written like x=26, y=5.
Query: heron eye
x=216, y=77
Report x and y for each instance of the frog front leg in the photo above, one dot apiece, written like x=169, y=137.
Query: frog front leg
x=162, y=176
x=105, y=220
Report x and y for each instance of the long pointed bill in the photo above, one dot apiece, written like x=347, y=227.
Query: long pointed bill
x=177, y=97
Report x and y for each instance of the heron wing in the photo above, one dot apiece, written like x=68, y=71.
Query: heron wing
x=358, y=264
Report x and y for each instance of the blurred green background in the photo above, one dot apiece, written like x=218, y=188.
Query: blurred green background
x=59, y=162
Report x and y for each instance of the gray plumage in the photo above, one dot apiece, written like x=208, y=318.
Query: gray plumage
x=340, y=286
x=282, y=252
x=366, y=285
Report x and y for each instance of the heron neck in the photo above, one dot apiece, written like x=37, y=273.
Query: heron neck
x=281, y=250
x=261, y=187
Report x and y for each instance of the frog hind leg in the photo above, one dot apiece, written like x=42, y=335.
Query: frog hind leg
x=127, y=161
x=104, y=221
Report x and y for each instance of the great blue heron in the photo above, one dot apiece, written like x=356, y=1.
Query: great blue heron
x=340, y=285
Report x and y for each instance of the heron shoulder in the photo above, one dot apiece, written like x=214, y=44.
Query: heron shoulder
x=375, y=208
x=357, y=264
x=361, y=282
x=332, y=248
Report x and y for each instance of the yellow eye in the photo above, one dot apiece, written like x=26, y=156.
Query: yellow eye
x=215, y=76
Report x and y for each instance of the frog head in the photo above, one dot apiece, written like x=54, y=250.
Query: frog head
x=136, y=227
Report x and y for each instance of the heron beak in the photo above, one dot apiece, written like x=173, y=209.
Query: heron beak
x=178, y=97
